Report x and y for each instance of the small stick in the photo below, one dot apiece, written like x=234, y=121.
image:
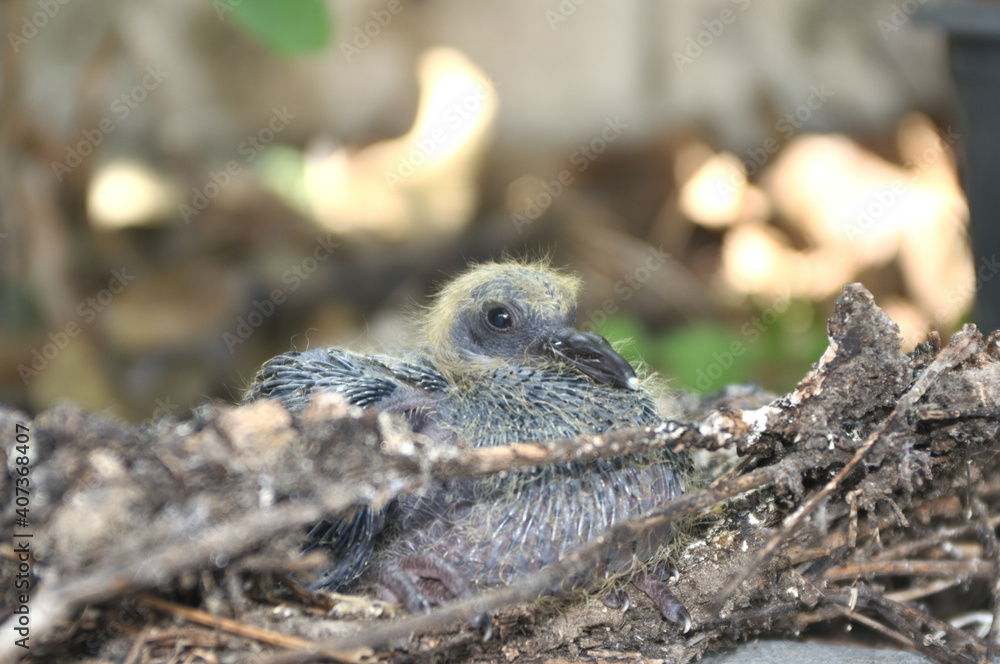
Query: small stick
x=875, y=625
x=717, y=429
x=353, y=656
x=992, y=550
x=966, y=569
x=918, y=592
x=135, y=650
x=897, y=611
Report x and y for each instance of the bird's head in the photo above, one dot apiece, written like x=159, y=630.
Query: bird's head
x=518, y=314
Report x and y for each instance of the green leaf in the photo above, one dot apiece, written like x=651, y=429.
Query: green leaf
x=773, y=348
x=705, y=357
x=288, y=27
x=628, y=337
x=282, y=169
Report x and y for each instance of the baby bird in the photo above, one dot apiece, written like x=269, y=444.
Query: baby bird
x=501, y=362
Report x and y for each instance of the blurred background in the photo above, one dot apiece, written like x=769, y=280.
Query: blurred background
x=188, y=188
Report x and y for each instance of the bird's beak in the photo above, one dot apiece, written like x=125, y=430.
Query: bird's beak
x=593, y=355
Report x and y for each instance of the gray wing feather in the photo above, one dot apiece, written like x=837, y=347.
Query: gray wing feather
x=364, y=381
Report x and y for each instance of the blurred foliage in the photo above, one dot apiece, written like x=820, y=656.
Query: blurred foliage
x=289, y=27
x=772, y=350
x=282, y=170
x=318, y=197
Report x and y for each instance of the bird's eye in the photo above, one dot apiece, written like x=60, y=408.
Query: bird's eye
x=499, y=318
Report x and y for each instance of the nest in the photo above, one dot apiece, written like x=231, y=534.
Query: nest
x=866, y=497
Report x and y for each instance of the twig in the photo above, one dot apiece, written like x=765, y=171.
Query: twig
x=918, y=592
x=135, y=650
x=54, y=602
x=909, y=548
x=933, y=413
x=965, y=569
x=353, y=656
x=908, y=617
x=991, y=550
x=715, y=430
x=874, y=625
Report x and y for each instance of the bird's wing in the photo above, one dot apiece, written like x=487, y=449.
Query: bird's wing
x=351, y=542
x=293, y=376
x=416, y=371
x=394, y=384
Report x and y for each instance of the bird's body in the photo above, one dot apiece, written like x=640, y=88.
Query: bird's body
x=552, y=383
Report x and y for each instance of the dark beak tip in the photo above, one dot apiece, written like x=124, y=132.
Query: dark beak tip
x=595, y=357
